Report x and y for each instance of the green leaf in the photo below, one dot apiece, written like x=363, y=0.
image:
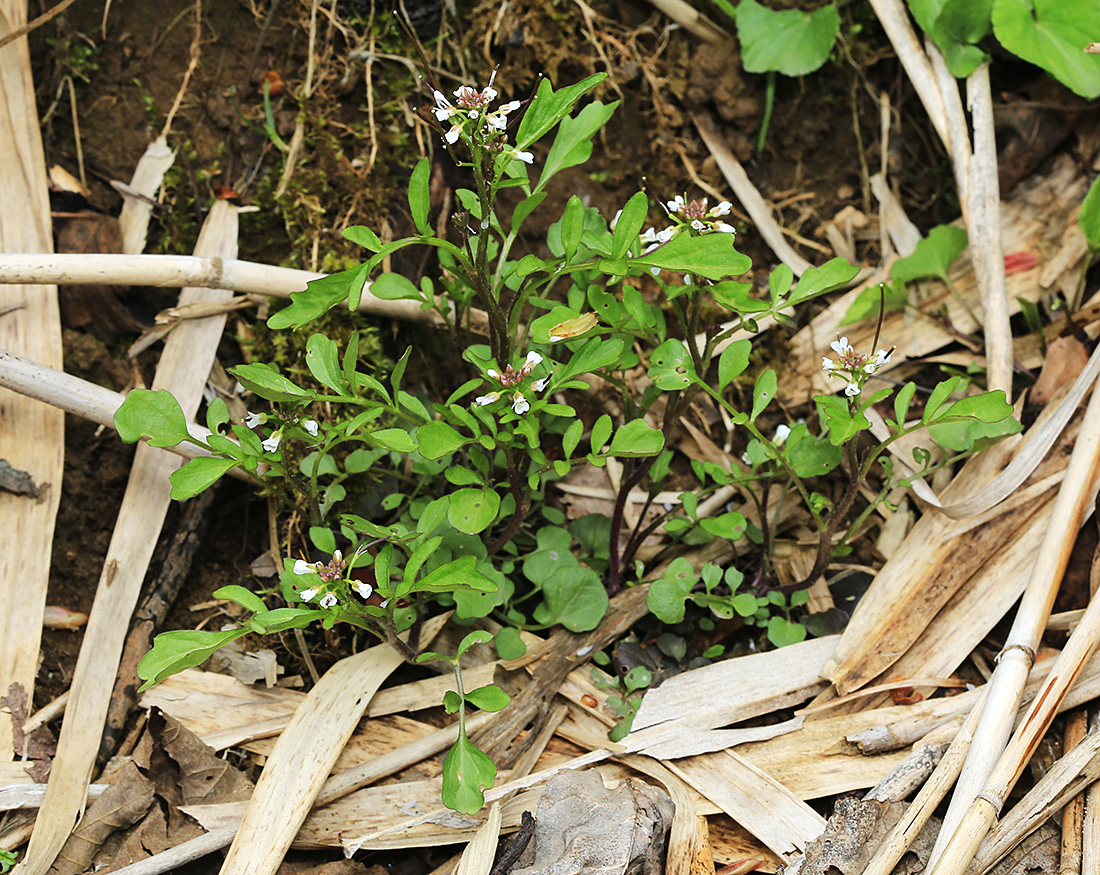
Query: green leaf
x=509, y=643
x=574, y=597
x=671, y=367
x=601, y=431
x=461, y=573
x=987, y=407
x=394, y=287
x=709, y=255
x=814, y=281
x=595, y=354
x=779, y=282
x=198, y=475
x=363, y=236
x=667, y=597
x=782, y=631
x=438, y=439
x=1089, y=217
x=763, y=392
x=246, y=598
x=629, y=225
x=938, y=396
x=548, y=107
x=733, y=361
x=530, y=264
x=933, y=255
x=478, y=637
x=1053, y=34
x=322, y=538
x=868, y=301
x=488, y=698
x=961, y=436
x=154, y=413
x=902, y=401
x=419, y=196
x=839, y=420
x=281, y=619
x=524, y=209
x=573, y=143
x=636, y=439
x=737, y=296
x=395, y=439
x=572, y=226
x=268, y=383
x=809, y=455
x=789, y=42
x=323, y=361
x=730, y=526
x=172, y=652
x=466, y=773
x=572, y=437
x=319, y=296
x=473, y=510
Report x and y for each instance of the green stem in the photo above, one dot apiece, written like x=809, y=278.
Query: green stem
x=769, y=103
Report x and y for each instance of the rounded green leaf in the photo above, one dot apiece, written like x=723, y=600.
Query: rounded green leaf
x=197, y=475
x=488, y=698
x=1052, y=34
x=466, y=773
x=438, y=439
x=636, y=439
x=733, y=361
x=156, y=414
x=473, y=510
x=509, y=644
x=790, y=42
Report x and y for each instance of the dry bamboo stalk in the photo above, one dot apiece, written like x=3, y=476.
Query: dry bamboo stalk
x=688, y=843
x=183, y=369
x=1073, y=815
x=1066, y=778
x=31, y=434
x=305, y=754
x=895, y=21
x=167, y=271
x=81, y=398
x=986, y=767
x=745, y=191
x=984, y=228
x=905, y=832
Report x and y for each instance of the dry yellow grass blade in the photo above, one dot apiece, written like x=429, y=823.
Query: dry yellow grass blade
x=477, y=859
x=305, y=754
x=133, y=221
x=183, y=369
x=31, y=433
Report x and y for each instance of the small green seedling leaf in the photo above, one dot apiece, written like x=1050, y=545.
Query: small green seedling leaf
x=419, y=196
x=574, y=598
x=636, y=439
x=173, y=652
x=733, y=361
x=268, y=383
x=198, y=475
x=488, y=698
x=323, y=361
x=466, y=773
x=246, y=598
x=478, y=637
x=510, y=644
x=438, y=439
x=473, y=510
x=763, y=392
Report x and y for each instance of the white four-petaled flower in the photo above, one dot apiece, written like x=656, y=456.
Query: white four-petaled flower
x=364, y=589
x=308, y=595
x=311, y=426
x=271, y=444
x=520, y=405
x=328, y=600
x=303, y=567
x=539, y=385
x=782, y=432
x=251, y=420
x=484, y=400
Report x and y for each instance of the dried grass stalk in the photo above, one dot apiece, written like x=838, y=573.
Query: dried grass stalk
x=959, y=840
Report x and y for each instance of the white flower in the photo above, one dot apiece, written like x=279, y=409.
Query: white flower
x=782, y=432
x=385, y=603
x=494, y=373
x=453, y=134
x=841, y=346
x=364, y=589
x=525, y=157
x=615, y=221
x=698, y=225
x=851, y=390
x=723, y=228
x=251, y=420
x=328, y=600
x=483, y=400
x=827, y=364
x=723, y=209
x=311, y=426
x=881, y=357
x=676, y=204
x=511, y=106
x=539, y=385
x=307, y=595
x=303, y=567
x=271, y=445
x=520, y=405
x=532, y=361
x=337, y=556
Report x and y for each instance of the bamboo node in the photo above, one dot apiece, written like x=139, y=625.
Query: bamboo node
x=1029, y=653
x=996, y=803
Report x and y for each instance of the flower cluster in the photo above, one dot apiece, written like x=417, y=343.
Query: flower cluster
x=853, y=367
x=272, y=441
x=698, y=216
x=511, y=378
x=470, y=115
x=330, y=573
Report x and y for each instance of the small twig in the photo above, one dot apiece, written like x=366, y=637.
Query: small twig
x=33, y=25
x=515, y=848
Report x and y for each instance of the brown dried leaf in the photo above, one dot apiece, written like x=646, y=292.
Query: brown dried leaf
x=40, y=746
x=121, y=805
x=1066, y=358
x=203, y=776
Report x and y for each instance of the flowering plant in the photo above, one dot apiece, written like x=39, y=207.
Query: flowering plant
x=472, y=531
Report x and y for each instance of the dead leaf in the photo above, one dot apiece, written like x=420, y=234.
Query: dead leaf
x=121, y=805
x=203, y=776
x=40, y=746
x=1066, y=358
